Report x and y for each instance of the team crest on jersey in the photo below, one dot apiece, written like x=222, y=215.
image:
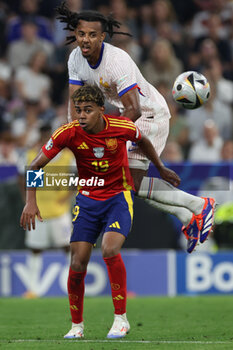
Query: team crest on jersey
x=98, y=152
x=104, y=84
x=111, y=143
x=49, y=144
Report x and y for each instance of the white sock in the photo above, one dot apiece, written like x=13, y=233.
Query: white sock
x=35, y=266
x=163, y=192
x=183, y=214
x=81, y=324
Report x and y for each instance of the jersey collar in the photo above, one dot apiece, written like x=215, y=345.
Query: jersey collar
x=99, y=60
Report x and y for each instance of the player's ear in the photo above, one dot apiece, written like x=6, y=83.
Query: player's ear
x=103, y=35
x=102, y=109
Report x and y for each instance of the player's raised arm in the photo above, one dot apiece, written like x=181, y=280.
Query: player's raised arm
x=166, y=174
x=31, y=209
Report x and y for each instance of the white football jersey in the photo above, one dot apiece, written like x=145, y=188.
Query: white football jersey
x=116, y=73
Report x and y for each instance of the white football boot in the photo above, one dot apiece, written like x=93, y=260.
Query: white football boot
x=119, y=328
x=76, y=331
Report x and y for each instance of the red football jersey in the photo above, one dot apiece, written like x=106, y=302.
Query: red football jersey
x=102, y=155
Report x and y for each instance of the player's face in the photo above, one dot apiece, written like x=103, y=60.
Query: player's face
x=89, y=36
x=89, y=116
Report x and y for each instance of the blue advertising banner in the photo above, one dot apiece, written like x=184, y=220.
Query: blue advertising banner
x=146, y=274
x=204, y=273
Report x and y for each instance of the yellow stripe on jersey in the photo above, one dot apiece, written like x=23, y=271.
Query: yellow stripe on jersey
x=69, y=126
x=65, y=127
x=122, y=122
x=124, y=126
x=55, y=132
x=106, y=121
x=125, y=184
x=129, y=200
x=61, y=131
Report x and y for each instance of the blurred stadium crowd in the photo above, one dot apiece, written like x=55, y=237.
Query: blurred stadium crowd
x=168, y=37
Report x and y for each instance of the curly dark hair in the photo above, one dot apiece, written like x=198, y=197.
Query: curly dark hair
x=88, y=93
x=72, y=19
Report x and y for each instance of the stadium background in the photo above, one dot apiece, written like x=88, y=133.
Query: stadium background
x=169, y=37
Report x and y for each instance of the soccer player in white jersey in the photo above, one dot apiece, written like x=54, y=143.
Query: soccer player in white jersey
x=116, y=74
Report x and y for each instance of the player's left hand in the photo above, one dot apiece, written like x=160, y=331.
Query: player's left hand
x=169, y=176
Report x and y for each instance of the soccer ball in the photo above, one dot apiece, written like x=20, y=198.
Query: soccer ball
x=191, y=90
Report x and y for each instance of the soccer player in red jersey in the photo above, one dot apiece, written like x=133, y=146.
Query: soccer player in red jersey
x=98, y=142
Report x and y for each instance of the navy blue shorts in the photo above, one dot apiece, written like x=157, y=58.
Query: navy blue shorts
x=92, y=217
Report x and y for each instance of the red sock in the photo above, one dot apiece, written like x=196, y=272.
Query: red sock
x=76, y=288
x=117, y=277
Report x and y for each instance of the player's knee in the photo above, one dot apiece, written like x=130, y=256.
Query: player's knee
x=108, y=251
x=77, y=264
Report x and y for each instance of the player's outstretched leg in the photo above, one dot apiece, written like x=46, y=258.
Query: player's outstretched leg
x=76, y=332
x=164, y=194
x=119, y=328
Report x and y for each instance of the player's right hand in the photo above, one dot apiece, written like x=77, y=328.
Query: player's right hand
x=169, y=176
x=27, y=220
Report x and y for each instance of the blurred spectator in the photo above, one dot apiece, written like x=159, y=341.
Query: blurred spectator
x=28, y=9
x=172, y=153
x=215, y=32
x=179, y=131
x=200, y=21
x=158, y=20
x=125, y=15
x=58, y=73
x=3, y=21
x=31, y=83
x=162, y=64
x=8, y=153
x=214, y=72
x=127, y=44
x=5, y=96
x=176, y=38
x=213, y=109
x=209, y=148
x=147, y=33
x=227, y=151
x=5, y=71
x=207, y=52
x=25, y=129
x=20, y=51
x=163, y=11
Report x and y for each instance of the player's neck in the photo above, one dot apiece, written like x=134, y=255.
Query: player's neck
x=94, y=59
x=100, y=126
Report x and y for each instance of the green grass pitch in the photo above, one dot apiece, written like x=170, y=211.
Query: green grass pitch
x=182, y=323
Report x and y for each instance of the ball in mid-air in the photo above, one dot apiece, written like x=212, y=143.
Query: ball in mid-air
x=191, y=90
